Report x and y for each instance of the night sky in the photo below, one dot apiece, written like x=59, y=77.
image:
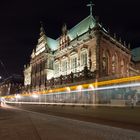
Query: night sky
x=20, y=24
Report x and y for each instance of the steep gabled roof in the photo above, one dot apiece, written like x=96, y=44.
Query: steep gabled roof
x=79, y=29
x=82, y=27
x=52, y=44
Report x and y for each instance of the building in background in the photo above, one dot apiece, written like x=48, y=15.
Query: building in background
x=11, y=85
x=85, y=53
x=27, y=77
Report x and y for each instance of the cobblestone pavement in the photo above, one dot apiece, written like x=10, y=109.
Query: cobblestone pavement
x=28, y=125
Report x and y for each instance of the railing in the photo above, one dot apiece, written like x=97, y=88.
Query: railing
x=71, y=78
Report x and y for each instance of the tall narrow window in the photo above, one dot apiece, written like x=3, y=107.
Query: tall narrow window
x=113, y=64
x=122, y=66
x=105, y=63
x=56, y=68
x=64, y=66
x=50, y=65
x=84, y=59
x=74, y=64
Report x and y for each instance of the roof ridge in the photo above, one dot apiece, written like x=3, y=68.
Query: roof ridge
x=81, y=22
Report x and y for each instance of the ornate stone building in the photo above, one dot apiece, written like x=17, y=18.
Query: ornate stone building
x=87, y=52
x=42, y=59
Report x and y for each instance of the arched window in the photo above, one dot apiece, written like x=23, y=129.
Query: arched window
x=122, y=66
x=105, y=63
x=116, y=63
x=56, y=69
x=64, y=66
x=74, y=61
x=84, y=58
x=50, y=63
x=113, y=64
x=74, y=64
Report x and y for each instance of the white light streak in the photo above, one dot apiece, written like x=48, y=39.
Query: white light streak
x=34, y=96
x=102, y=88
x=17, y=96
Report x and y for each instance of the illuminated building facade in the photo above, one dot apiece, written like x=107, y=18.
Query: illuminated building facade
x=27, y=77
x=87, y=52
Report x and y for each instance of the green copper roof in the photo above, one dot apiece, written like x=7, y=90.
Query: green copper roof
x=136, y=54
x=52, y=44
x=81, y=27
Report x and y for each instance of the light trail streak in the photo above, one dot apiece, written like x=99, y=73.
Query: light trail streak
x=45, y=103
x=101, y=88
x=119, y=86
x=96, y=86
x=75, y=91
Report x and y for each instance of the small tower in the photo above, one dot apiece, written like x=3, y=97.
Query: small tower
x=43, y=39
x=42, y=31
x=64, y=29
x=64, y=38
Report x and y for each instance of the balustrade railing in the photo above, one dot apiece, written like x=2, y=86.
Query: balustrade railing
x=71, y=78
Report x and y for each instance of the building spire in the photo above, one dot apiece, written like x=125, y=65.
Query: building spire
x=90, y=5
x=64, y=29
x=42, y=31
